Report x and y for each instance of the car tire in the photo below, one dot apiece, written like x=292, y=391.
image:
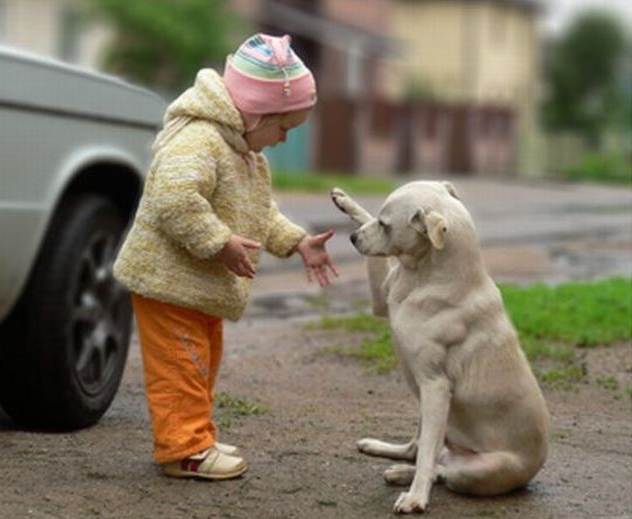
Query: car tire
x=63, y=351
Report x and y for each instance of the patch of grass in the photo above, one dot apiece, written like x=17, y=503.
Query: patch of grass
x=540, y=348
x=582, y=314
x=602, y=167
x=551, y=322
x=230, y=407
x=324, y=182
x=361, y=322
x=318, y=302
x=562, y=377
x=608, y=382
x=376, y=350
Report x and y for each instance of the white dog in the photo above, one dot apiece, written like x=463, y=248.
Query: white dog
x=483, y=427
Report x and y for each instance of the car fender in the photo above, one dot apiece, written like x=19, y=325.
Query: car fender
x=33, y=220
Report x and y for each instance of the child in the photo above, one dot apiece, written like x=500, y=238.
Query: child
x=192, y=251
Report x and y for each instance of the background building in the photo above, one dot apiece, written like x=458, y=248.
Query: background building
x=405, y=86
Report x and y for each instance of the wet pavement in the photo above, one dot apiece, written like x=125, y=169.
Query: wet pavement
x=302, y=449
x=530, y=232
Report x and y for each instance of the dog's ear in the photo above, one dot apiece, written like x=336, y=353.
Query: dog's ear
x=437, y=227
x=417, y=221
x=431, y=224
x=451, y=189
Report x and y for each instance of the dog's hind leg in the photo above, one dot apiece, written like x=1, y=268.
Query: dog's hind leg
x=484, y=474
x=394, y=451
x=400, y=474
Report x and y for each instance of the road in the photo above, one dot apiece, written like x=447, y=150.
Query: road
x=303, y=463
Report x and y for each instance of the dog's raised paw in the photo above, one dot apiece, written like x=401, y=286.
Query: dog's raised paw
x=407, y=503
x=339, y=197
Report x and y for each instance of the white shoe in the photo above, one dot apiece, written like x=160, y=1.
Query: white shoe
x=231, y=450
x=208, y=464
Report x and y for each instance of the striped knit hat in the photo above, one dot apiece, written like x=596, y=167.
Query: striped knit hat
x=265, y=76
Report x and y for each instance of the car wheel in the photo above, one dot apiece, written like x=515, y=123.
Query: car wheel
x=63, y=353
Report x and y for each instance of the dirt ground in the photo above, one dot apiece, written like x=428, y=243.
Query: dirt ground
x=301, y=450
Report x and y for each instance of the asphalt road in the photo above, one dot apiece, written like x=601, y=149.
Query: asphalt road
x=507, y=213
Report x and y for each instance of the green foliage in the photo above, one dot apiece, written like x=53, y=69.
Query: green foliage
x=416, y=89
x=230, y=407
x=551, y=323
x=602, y=167
x=324, y=182
x=584, y=72
x=163, y=43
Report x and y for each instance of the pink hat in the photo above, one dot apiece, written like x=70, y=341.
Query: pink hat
x=265, y=76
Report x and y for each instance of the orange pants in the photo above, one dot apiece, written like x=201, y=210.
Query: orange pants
x=181, y=350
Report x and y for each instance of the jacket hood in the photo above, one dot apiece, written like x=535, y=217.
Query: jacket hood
x=207, y=99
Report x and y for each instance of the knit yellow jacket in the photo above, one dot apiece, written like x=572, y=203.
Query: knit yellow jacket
x=203, y=185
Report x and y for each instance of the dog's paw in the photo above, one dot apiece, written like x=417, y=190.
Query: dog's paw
x=366, y=445
x=407, y=503
x=400, y=474
x=340, y=199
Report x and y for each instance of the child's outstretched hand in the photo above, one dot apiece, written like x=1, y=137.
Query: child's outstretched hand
x=315, y=257
x=234, y=255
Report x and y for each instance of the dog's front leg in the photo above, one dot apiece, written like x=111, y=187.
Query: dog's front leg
x=377, y=269
x=435, y=405
x=349, y=206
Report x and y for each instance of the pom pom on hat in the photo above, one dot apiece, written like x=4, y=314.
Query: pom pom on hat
x=266, y=76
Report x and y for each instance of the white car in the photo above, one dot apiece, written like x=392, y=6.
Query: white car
x=74, y=146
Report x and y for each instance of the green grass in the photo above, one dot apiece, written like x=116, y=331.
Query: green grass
x=577, y=314
x=602, y=167
x=608, y=382
x=551, y=322
x=324, y=182
x=230, y=407
x=563, y=376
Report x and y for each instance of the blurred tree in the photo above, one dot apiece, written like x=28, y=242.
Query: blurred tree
x=163, y=43
x=584, y=72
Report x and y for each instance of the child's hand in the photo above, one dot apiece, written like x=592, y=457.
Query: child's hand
x=315, y=257
x=235, y=256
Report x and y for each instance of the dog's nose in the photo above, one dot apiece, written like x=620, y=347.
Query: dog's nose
x=353, y=237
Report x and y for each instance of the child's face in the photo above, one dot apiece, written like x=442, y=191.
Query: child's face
x=273, y=129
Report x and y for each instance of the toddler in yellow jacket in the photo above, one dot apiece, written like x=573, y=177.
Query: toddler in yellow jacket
x=192, y=251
